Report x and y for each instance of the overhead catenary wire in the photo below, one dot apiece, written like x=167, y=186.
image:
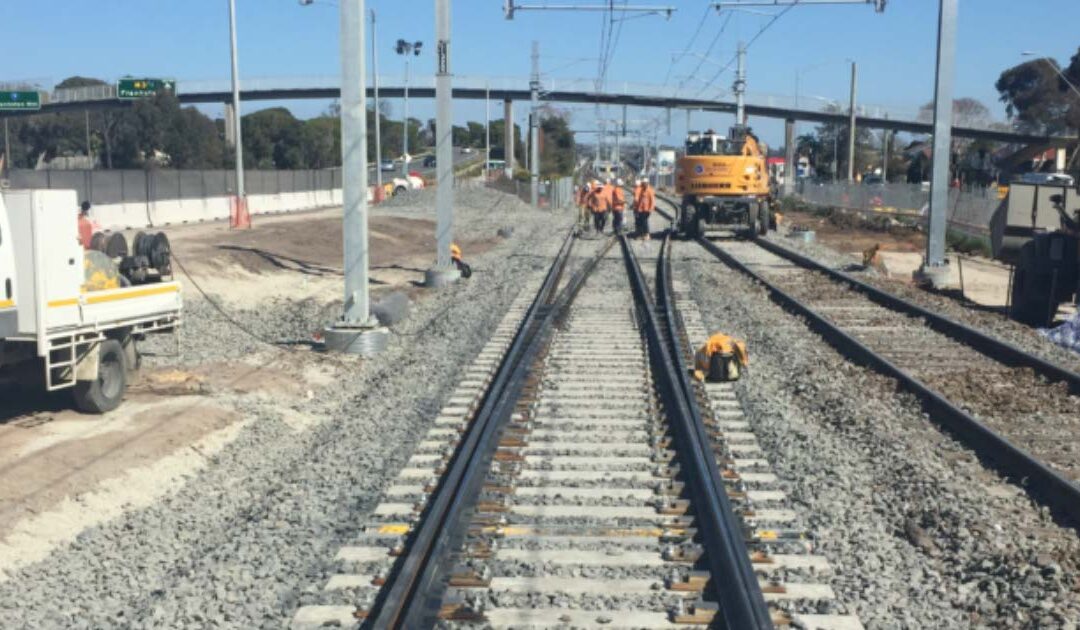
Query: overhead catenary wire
x=746, y=46
x=690, y=43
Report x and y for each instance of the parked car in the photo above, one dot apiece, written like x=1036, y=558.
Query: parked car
x=429, y=161
x=468, y=150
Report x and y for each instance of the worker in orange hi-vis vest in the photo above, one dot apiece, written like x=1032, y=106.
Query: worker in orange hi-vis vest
x=618, y=206
x=599, y=205
x=644, y=205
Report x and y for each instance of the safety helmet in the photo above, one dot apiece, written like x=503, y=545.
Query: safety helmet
x=619, y=182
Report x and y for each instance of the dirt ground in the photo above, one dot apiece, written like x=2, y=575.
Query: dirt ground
x=276, y=260
x=61, y=471
x=985, y=281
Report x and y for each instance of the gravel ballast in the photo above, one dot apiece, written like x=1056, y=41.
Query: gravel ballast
x=919, y=533
x=237, y=545
x=993, y=324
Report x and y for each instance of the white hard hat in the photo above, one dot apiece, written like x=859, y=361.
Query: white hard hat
x=618, y=182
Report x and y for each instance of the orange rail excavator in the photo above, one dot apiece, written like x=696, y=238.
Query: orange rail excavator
x=724, y=184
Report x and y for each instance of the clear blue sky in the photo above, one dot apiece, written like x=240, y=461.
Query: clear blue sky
x=48, y=40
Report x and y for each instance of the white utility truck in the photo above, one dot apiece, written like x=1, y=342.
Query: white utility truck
x=68, y=318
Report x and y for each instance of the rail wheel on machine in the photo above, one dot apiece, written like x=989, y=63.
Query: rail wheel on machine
x=106, y=391
x=763, y=218
x=752, y=217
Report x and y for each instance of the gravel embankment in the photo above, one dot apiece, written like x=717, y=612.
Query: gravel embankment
x=237, y=545
x=919, y=533
x=990, y=323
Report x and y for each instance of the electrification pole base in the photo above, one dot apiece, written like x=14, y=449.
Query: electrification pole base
x=438, y=277
x=938, y=277
x=366, y=341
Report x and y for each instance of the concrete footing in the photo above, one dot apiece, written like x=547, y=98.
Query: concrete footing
x=936, y=276
x=437, y=277
x=365, y=341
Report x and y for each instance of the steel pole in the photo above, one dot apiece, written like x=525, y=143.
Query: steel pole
x=444, y=270
x=487, y=131
x=508, y=136
x=740, y=86
x=239, y=152
x=89, y=151
x=405, y=125
x=534, y=128
x=354, y=163
x=942, y=140
x=789, y=157
x=378, y=116
x=851, y=127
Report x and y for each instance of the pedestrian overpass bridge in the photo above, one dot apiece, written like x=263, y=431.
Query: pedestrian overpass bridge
x=579, y=91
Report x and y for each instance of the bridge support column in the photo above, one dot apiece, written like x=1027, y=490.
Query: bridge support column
x=230, y=126
x=508, y=135
x=790, y=169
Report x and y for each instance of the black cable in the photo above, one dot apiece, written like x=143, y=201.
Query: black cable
x=746, y=46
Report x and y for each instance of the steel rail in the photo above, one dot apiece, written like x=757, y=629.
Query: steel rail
x=416, y=583
x=998, y=349
x=1040, y=481
x=742, y=604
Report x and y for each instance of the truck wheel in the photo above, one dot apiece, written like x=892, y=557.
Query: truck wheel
x=399, y=190
x=106, y=391
x=763, y=219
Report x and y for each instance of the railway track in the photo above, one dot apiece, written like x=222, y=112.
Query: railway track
x=579, y=478
x=1020, y=413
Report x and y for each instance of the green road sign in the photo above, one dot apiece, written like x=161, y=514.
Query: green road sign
x=19, y=99
x=142, y=88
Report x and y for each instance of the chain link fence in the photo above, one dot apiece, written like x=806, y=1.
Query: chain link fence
x=101, y=187
x=970, y=210
x=554, y=193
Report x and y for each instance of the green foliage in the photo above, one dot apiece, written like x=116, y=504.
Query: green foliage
x=967, y=244
x=1036, y=96
x=557, y=154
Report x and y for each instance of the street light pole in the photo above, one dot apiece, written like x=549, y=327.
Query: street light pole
x=405, y=126
x=240, y=216
x=379, y=191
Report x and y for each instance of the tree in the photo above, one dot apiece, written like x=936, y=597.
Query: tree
x=272, y=139
x=477, y=134
x=1037, y=98
x=967, y=112
x=498, y=141
x=321, y=141
x=460, y=136
x=557, y=148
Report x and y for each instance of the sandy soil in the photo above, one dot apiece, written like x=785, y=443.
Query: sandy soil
x=276, y=260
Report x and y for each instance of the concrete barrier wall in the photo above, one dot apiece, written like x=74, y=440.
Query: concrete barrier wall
x=115, y=216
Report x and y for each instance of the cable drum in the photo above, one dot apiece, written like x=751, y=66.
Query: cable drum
x=155, y=249
x=97, y=242
x=115, y=245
